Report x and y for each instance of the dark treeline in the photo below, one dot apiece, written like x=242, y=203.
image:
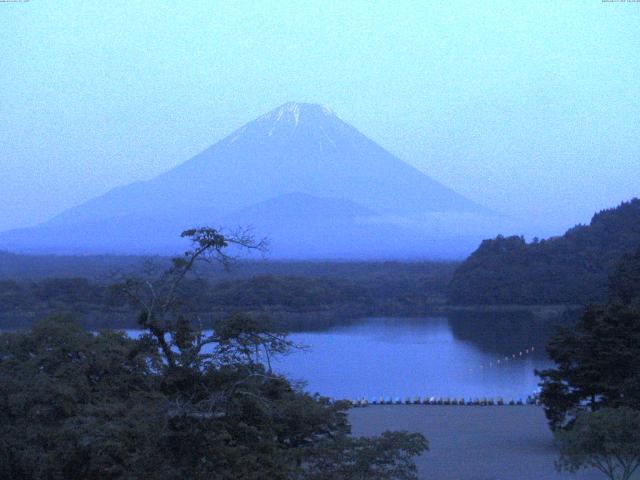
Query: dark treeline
x=94, y=267
x=571, y=269
x=103, y=268
x=329, y=293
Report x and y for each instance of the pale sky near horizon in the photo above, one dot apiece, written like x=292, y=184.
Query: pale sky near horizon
x=531, y=108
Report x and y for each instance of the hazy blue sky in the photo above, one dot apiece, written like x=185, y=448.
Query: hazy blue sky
x=529, y=107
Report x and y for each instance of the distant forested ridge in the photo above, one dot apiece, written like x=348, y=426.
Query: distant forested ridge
x=571, y=269
x=298, y=295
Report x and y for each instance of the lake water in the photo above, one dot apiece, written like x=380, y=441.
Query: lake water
x=401, y=357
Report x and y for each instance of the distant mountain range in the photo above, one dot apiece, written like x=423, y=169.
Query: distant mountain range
x=571, y=269
x=299, y=175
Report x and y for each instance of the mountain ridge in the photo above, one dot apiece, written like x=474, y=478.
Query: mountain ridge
x=296, y=147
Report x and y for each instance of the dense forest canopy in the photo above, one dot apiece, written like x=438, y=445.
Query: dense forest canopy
x=571, y=269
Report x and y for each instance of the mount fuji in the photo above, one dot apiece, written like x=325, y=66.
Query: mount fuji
x=311, y=183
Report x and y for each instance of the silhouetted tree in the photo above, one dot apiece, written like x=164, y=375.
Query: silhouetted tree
x=597, y=360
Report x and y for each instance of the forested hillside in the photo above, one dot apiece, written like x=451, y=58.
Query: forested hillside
x=294, y=296
x=573, y=268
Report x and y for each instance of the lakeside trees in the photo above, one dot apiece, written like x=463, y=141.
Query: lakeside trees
x=175, y=403
x=592, y=397
x=598, y=359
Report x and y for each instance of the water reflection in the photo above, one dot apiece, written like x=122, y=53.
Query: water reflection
x=398, y=357
x=502, y=333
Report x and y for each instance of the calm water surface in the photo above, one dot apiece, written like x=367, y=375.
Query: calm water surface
x=398, y=357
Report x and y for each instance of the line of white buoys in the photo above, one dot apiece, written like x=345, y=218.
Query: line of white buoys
x=504, y=360
x=498, y=401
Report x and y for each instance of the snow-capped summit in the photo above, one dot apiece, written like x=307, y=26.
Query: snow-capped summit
x=284, y=119
x=291, y=111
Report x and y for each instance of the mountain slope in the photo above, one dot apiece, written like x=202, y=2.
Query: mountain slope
x=573, y=268
x=296, y=148
x=296, y=208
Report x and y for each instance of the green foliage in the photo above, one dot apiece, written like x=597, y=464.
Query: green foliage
x=597, y=361
x=78, y=405
x=624, y=286
x=387, y=457
x=572, y=269
x=60, y=388
x=608, y=440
